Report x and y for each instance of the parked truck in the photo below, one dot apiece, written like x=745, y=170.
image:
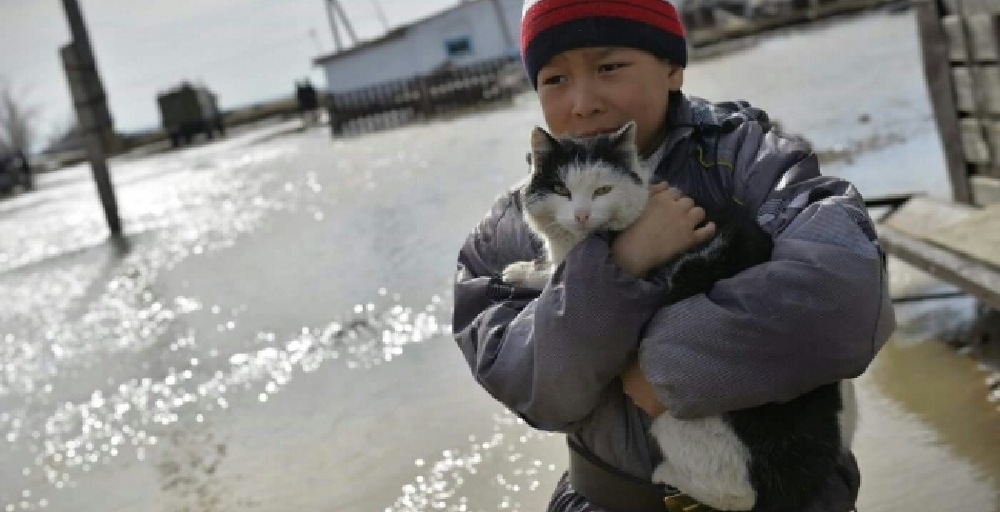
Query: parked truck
x=188, y=110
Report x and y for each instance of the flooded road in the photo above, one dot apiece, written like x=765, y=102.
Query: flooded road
x=274, y=333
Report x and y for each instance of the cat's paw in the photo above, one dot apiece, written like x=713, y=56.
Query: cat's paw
x=525, y=274
x=517, y=272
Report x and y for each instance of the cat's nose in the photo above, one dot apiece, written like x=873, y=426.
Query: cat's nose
x=582, y=218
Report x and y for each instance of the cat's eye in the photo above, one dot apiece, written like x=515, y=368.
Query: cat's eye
x=561, y=189
x=600, y=191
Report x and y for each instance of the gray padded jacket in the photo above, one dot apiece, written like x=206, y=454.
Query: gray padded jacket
x=816, y=313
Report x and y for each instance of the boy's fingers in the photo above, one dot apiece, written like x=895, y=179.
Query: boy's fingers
x=705, y=233
x=697, y=214
x=656, y=188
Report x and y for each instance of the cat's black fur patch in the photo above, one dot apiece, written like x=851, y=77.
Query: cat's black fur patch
x=566, y=152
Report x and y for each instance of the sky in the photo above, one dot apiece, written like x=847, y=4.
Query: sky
x=244, y=50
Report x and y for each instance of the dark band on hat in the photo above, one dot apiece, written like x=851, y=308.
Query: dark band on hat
x=600, y=32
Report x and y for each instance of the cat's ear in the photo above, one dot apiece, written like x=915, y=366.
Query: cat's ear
x=624, y=138
x=541, y=145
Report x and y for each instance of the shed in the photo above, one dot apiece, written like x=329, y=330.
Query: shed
x=467, y=33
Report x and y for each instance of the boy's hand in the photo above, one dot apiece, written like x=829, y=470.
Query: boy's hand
x=641, y=391
x=666, y=229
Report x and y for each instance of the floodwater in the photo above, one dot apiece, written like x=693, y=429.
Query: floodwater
x=274, y=333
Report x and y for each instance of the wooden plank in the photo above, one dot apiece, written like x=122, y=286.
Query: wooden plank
x=972, y=33
x=937, y=70
x=974, y=277
x=955, y=34
x=985, y=190
x=975, y=236
x=981, y=141
x=971, y=6
x=923, y=215
x=991, y=131
x=987, y=170
x=985, y=79
x=983, y=31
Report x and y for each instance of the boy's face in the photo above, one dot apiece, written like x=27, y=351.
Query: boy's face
x=586, y=91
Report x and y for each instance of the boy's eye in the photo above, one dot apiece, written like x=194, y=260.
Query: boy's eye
x=600, y=191
x=553, y=79
x=561, y=189
x=611, y=66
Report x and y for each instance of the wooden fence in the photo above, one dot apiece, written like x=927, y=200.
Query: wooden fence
x=960, y=44
x=395, y=103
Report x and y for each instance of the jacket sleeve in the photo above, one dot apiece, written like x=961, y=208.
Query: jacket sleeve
x=815, y=314
x=547, y=356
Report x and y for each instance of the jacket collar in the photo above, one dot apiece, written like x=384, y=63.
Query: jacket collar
x=679, y=117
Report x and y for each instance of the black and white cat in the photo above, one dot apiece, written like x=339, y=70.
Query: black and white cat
x=577, y=187
x=769, y=458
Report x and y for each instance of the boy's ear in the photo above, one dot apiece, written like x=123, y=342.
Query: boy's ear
x=675, y=77
x=541, y=145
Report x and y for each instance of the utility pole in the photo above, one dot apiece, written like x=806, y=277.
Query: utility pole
x=504, y=26
x=333, y=12
x=337, y=43
x=91, y=105
x=381, y=15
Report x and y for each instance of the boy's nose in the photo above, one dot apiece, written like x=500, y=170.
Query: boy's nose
x=586, y=101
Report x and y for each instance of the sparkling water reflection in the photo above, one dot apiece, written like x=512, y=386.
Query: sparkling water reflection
x=63, y=318
x=443, y=485
x=79, y=435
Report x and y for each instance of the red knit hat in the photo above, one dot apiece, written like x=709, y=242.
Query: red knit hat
x=550, y=27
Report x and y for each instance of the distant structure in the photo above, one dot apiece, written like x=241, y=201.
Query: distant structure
x=187, y=110
x=470, y=32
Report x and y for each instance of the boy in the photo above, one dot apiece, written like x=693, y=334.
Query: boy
x=595, y=354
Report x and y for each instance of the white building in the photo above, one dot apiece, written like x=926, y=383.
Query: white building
x=472, y=31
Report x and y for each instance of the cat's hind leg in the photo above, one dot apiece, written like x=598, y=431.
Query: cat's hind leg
x=704, y=459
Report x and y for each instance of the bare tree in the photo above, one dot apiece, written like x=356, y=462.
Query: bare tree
x=18, y=120
x=62, y=133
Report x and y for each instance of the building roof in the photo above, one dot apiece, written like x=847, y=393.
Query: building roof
x=389, y=36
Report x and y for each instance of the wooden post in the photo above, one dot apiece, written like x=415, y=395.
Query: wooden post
x=92, y=113
x=426, y=102
x=937, y=68
x=332, y=114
